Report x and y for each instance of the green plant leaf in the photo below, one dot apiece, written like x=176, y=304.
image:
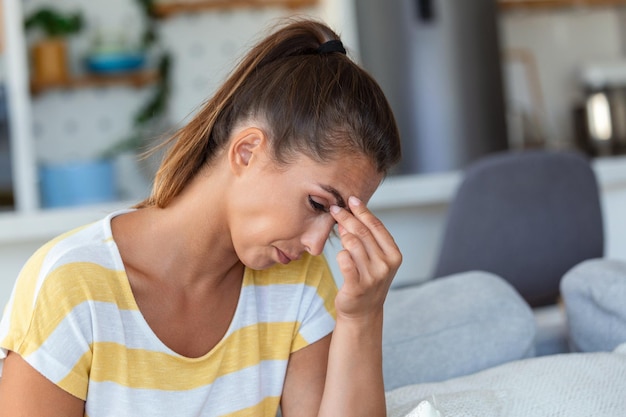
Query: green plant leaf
x=54, y=23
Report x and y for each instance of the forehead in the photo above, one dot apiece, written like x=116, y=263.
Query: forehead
x=350, y=175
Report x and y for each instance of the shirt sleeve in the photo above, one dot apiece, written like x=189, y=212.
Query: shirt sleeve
x=317, y=313
x=48, y=325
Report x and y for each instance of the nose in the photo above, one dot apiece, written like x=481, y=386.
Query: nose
x=315, y=237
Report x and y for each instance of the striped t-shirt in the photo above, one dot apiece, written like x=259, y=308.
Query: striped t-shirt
x=73, y=317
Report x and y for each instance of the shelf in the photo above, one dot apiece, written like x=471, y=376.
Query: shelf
x=166, y=9
x=506, y=5
x=135, y=79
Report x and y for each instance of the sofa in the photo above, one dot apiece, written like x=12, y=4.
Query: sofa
x=464, y=345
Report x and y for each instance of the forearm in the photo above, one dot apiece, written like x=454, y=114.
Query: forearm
x=354, y=380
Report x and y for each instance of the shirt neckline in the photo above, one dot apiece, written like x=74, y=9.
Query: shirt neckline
x=128, y=292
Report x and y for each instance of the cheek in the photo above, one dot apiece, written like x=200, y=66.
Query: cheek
x=278, y=224
x=255, y=226
x=266, y=212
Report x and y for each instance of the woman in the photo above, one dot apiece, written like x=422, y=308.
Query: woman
x=211, y=297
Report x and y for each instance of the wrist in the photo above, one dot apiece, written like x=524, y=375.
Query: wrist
x=371, y=320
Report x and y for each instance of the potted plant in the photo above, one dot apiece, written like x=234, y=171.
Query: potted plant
x=49, y=53
x=73, y=182
x=78, y=182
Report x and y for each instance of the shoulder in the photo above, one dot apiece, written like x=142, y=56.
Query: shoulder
x=91, y=244
x=66, y=271
x=84, y=248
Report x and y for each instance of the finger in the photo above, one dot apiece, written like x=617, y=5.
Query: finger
x=370, y=268
x=357, y=238
x=392, y=257
x=348, y=223
x=348, y=268
x=375, y=235
x=380, y=255
x=374, y=224
x=359, y=253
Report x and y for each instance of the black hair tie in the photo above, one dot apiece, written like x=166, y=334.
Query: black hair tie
x=331, y=46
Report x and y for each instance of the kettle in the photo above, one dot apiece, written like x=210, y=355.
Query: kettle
x=604, y=111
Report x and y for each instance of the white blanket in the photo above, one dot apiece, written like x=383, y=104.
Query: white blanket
x=567, y=385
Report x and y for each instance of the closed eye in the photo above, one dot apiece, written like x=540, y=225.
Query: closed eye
x=317, y=206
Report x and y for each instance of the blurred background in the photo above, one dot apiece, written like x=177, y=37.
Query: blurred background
x=87, y=85
x=465, y=78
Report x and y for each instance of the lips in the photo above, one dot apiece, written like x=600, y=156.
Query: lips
x=282, y=257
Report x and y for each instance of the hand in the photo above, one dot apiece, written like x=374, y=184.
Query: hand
x=368, y=262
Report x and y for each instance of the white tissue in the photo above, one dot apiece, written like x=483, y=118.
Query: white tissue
x=425, y=409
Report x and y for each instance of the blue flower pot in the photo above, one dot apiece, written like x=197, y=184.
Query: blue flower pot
x=77, y=183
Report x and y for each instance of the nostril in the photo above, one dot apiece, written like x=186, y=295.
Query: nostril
x=313, y=248
x=314, y=239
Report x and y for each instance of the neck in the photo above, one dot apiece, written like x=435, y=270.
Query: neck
x=187, y=242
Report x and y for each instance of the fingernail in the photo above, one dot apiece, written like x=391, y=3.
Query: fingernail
x=334, y=209
x=353, y=201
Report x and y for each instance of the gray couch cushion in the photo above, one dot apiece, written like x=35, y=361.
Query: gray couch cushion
x=453, y=326
x=595, y=301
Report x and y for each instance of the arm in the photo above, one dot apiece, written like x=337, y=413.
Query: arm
x=369, y=261
x=351, y=383
x=25, y=392
x=354, y=381
x=304, y=382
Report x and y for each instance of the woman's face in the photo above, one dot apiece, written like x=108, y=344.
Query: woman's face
x=279, y=212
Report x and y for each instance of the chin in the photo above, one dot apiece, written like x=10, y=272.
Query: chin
x=258, y=264
x=258, y=259
x=266, y=266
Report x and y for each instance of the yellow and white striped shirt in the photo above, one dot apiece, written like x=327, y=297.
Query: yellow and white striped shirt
x=73, y=317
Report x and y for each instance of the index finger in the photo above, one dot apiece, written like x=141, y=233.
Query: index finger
x=361, y=214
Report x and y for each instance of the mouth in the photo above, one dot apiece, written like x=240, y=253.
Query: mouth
x=282, y=257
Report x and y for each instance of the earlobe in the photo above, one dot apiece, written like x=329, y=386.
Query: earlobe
x=245, y=146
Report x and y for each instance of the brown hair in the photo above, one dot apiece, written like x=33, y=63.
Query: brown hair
x=318, y=104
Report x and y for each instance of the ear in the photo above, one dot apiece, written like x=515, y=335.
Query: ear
x=245, y=148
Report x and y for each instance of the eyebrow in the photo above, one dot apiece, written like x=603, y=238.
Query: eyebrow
x=340, y=201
